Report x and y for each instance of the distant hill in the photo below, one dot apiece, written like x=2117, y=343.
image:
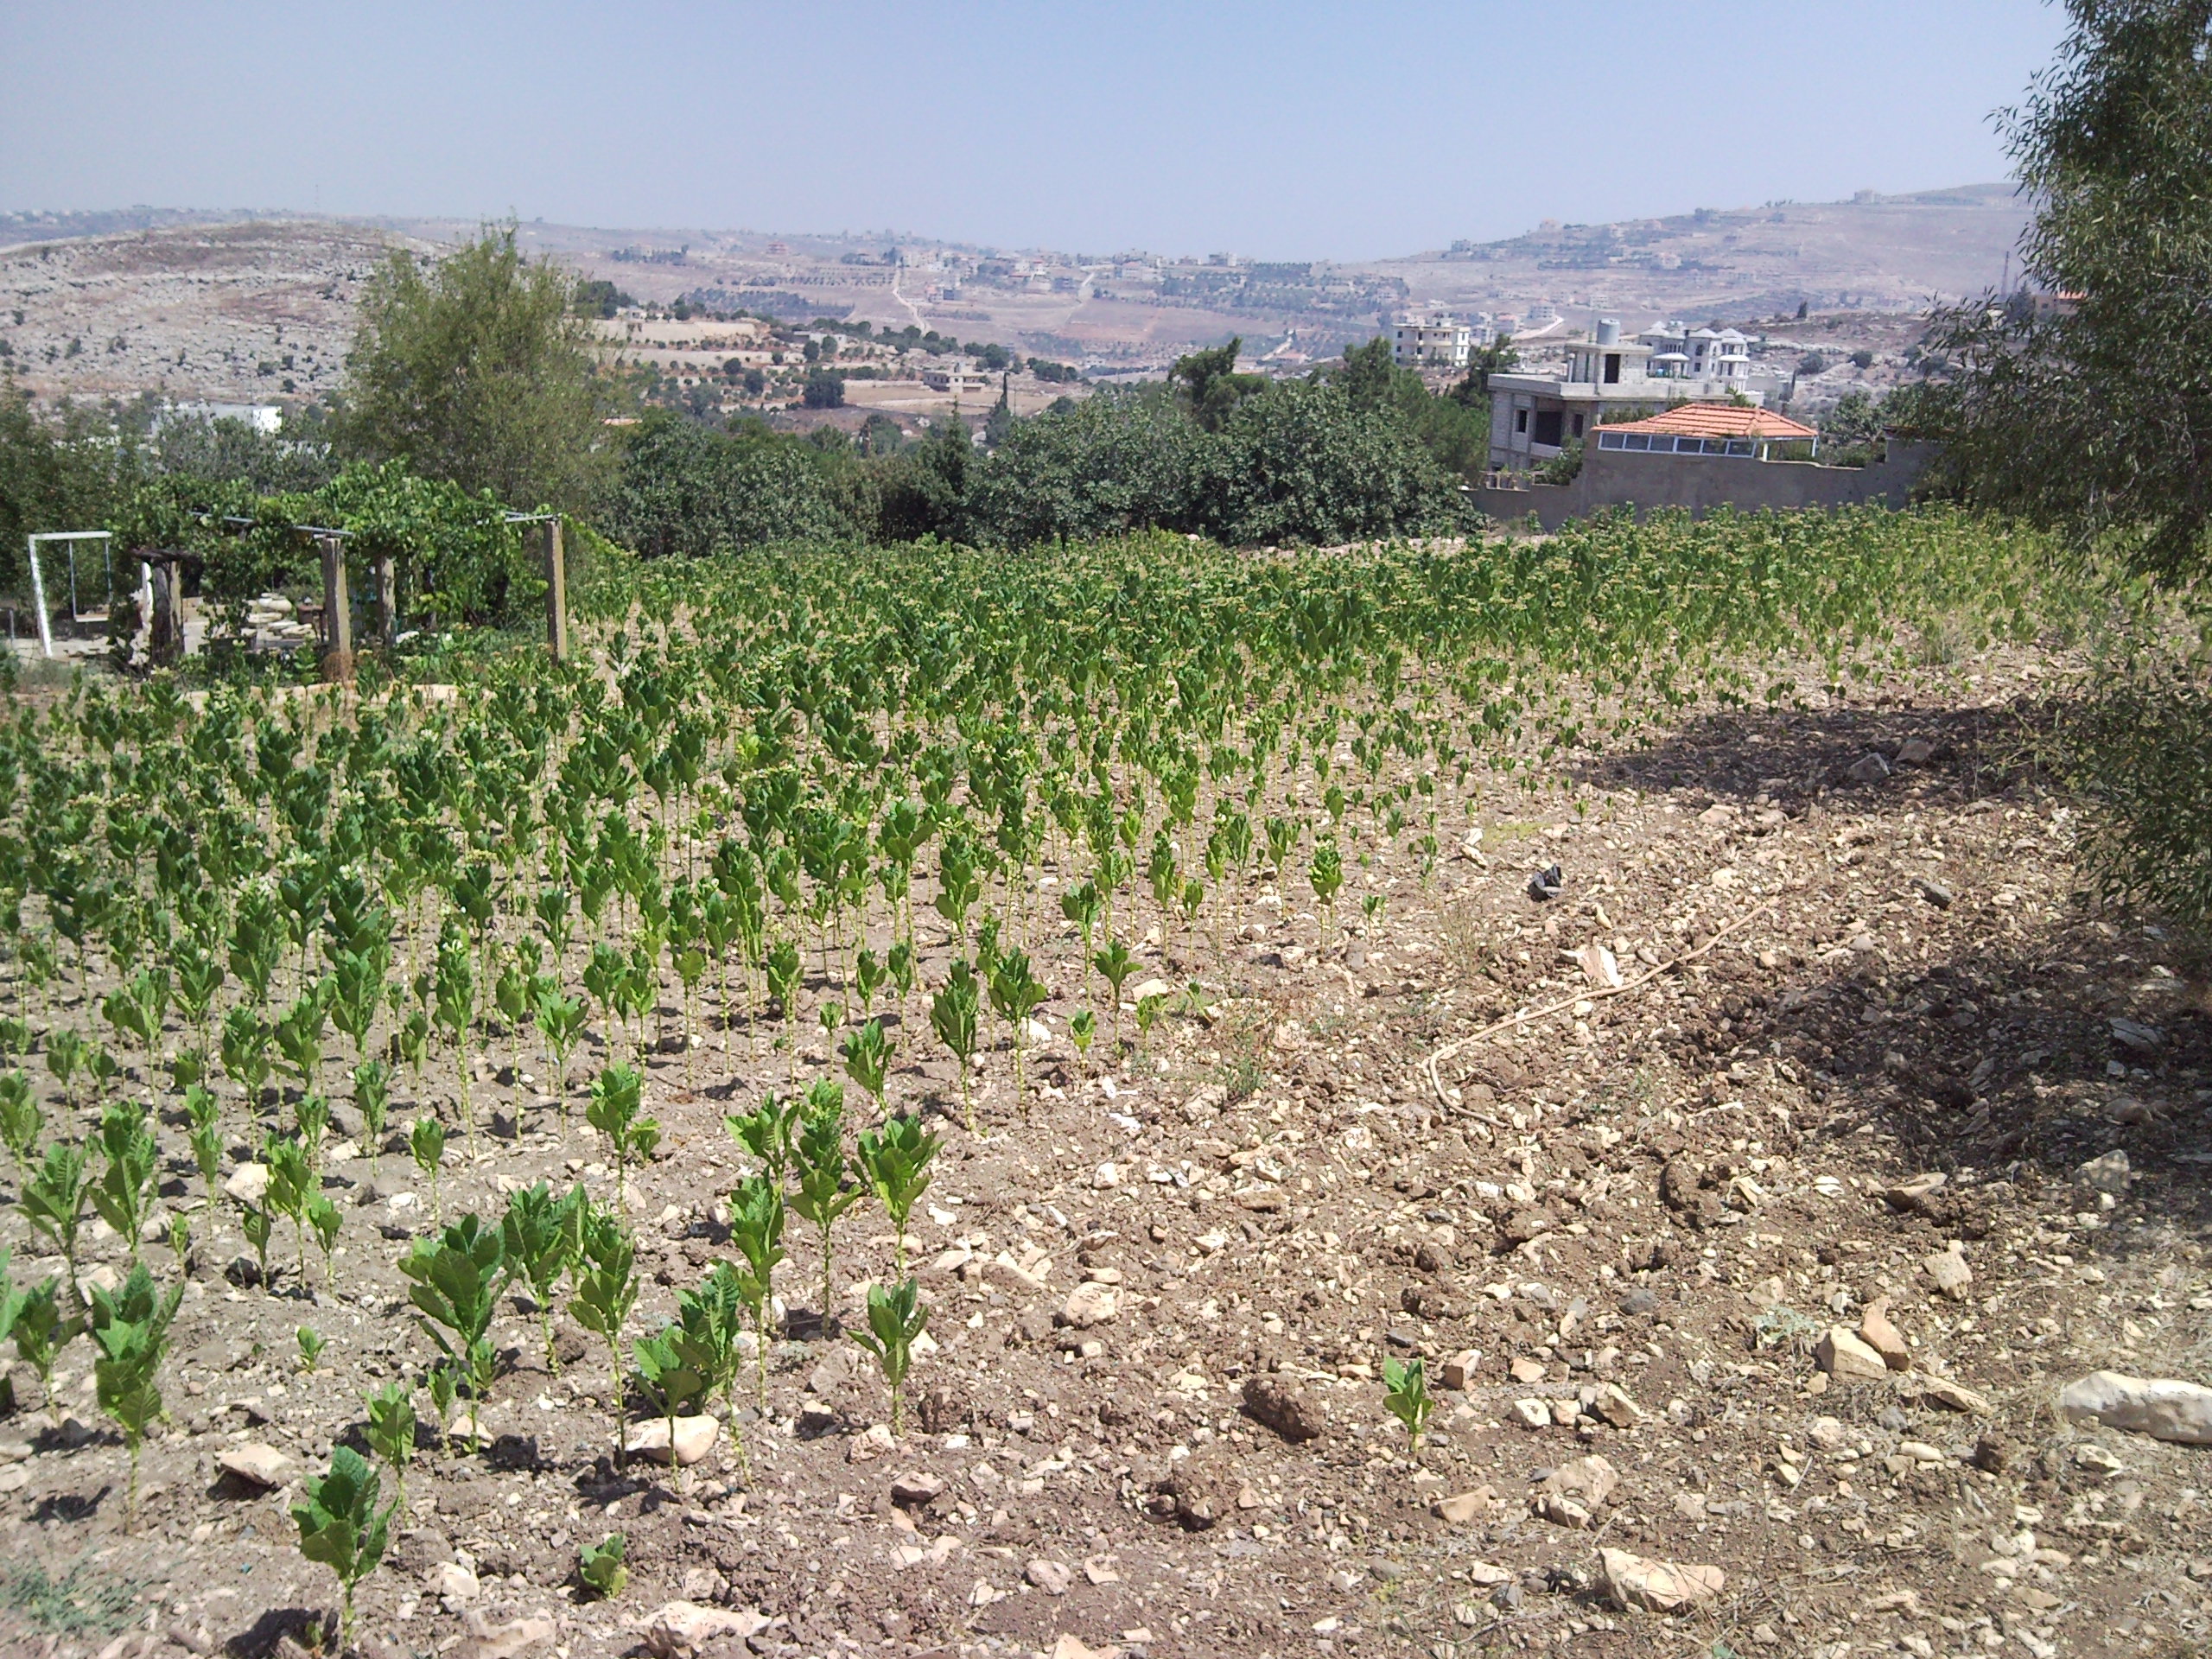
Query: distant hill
x=257, y=306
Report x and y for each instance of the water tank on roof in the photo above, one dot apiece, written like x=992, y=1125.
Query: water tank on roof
x=1609, y=331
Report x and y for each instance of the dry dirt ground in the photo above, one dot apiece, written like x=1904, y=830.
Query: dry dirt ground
x=1641, y=1215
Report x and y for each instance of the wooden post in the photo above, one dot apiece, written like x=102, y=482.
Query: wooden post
x=337, y=614
x=166, y=643
x=557, y=593
x=387, y=577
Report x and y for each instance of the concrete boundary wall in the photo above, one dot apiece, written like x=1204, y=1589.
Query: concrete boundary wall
x=1612, y=478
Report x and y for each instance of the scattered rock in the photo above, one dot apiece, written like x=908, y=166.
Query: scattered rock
x=1913, y=1195
x=1870, y=768
x=1053, y=1578
x=2162, y=1408
x=1572, y=1493
x=2137, y=1038
x=1463, y=1507
x=694, y=1438
x=1633, y=1581
x=1883, y=1338
x=1915, y=752
x=681, y=1630
x=1536, y=1413
x=1827, y=1434
x=1938, y=893
x=1546, y=883
x=1953, y=1396
x=2108, y=1173
x=1525, y=1369
x=1459, y=1371
x=248, y=1185
x=1949, y=1270
x=1088, y=1305
x=509, y=1641
x=1279, y=1403
x=1842, y=1353
x=262, y=1467
x=1614, y=1404
x=453, y=1584
x=916, y=1489
x=871, y=1444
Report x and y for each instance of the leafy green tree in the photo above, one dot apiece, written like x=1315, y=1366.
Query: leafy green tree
x=1211, y=387
x=477, y=369
x=2091, y=414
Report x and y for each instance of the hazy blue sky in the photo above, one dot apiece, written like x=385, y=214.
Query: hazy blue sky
x=1280, y=130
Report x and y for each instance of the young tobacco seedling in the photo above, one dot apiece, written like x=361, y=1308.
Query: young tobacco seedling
x=52, y=1201
x=130, y=1326
x=1015, y=993
x=390, y=1433
x=616, y=1095
x=894, y=1320
x=373, y=1099
x=324, y=1221
x=292, y=1188
x=1406, y=1394
x=426, y=1141
x=455, y=1282
x=560, y=1023
x=896, y=1161
x=708, y=1323
x=204, y=1122
x=42, y=1333
x=868, y=1058
x=823, y=1193
x=341, y=1527
x=125, y=1193
x=1115, y=964
x=756, y=1227
x=952, y=1016
x=604, y=1278
x=21, y=1122
x=766, y=1133
x=539, y=1233
x=600, y=1567
x=1081, y=1030
x=671, y=1382
x=255, y=1220
x=311, y=1346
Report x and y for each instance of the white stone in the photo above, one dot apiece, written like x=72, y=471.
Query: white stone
x=263, y=1465
x=452, y=1582
x=509, y=1641
x=1088, y=1305
x=1844, y=1353
x=681, y=1630
x=694, y=1438
x=2162, y=1408
x=1053, y=1578
x=2107, y=1174
x=1633, y=1581
x=249, y=1184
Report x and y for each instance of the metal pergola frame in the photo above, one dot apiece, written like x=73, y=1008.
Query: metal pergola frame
x=38, y=576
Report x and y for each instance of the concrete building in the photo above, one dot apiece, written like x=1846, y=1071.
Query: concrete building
x=958, y=376
x=1430, y=341
x=1533, y=416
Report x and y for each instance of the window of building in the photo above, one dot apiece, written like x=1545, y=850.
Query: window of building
x=1550, y=428
x=1520, y=420
x=1613, y=368
x=1577, y=426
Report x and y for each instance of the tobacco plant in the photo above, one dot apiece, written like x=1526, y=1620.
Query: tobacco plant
x=131, y=1326
x=455, y=1282
x=895, y=1161
x=895, y=1317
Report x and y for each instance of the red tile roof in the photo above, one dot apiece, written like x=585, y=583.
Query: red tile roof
x=1716, y=421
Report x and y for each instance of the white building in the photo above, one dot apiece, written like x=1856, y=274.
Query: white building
x=959, y=377
x=1533, y=416
x=1431, y=340
x=261, y=417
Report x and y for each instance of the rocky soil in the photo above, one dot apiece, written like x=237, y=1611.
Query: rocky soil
x=1746, y=1289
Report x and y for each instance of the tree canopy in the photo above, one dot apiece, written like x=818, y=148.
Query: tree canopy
x=2087, y=406
x=478, y=370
